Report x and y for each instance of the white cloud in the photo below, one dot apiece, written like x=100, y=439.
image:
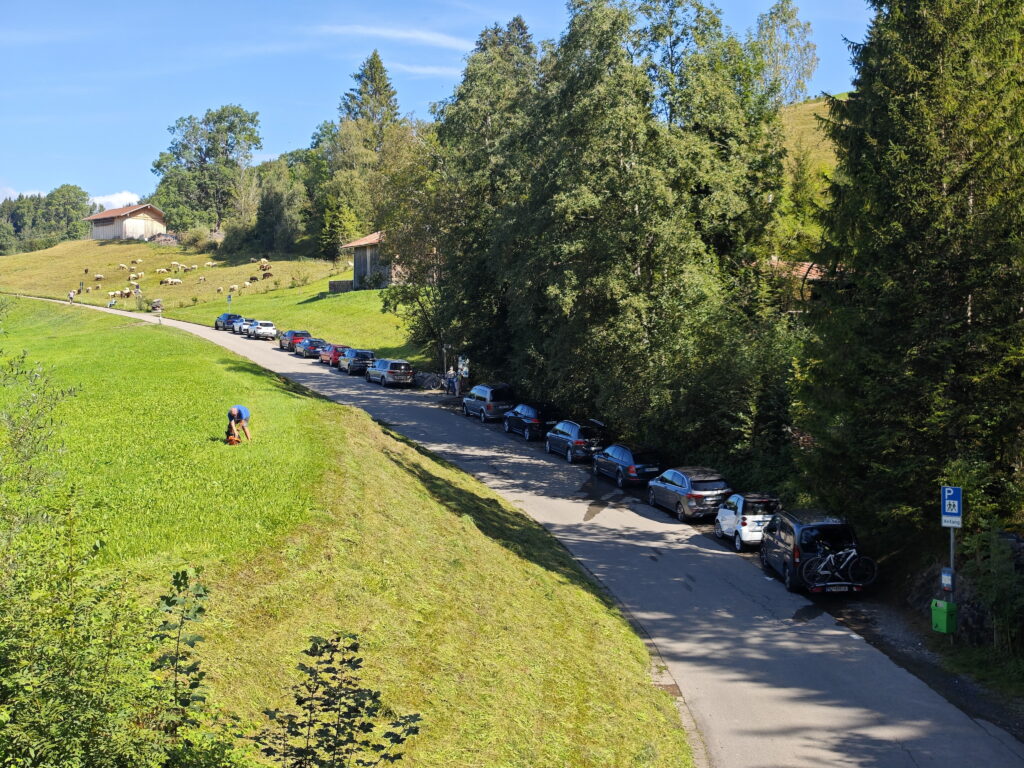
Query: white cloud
x=418, y=69
x=422, y=36
x=10, y=193
x=116, y=200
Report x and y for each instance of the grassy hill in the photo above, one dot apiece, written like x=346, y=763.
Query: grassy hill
x=801, y=128
x=469, y=612
x=291, y=298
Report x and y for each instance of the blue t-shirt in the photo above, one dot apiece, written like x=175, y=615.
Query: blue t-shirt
x=243, y=413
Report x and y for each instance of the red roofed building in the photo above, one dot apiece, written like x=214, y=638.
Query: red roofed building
x=368, y=271
x=133, y=222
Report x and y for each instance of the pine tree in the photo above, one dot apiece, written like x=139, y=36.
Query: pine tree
x=919, y=362
x=373, y=99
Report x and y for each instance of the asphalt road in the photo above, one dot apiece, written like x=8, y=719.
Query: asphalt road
x=772, y=681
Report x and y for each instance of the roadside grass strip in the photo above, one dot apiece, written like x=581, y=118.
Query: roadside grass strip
x=469, y=612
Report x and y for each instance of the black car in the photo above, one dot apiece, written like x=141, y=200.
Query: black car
x=308, y=347
x=575, y=440
x=288, y=339
x=223, y=322
x=794, y=535
x=690, y=492
x=353, y=361
x=531, y=419
x=628, y=466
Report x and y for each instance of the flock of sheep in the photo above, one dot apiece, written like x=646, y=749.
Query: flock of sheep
x=134, y=275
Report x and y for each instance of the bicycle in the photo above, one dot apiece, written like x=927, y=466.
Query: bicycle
x=846, y=565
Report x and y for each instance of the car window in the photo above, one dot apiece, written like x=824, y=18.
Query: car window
x=476, y=391
x=710, y=485
x=764, y=507
x=835, y=536
x=401, y=367
x=561, y=428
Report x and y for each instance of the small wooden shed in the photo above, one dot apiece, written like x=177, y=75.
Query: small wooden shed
x=133, y=222
x=368, y=270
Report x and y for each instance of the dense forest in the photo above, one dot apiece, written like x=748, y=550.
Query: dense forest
x=33, y=222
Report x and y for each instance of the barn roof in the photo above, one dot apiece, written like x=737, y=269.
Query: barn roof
x=373, y=239
x=115, y=213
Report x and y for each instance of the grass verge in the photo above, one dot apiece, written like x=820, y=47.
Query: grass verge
x=470, y=613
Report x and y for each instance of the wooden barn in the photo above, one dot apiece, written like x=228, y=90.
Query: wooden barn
x=133, y=222
x=368, y=270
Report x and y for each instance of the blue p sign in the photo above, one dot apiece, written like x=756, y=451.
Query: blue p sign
x=951, y=501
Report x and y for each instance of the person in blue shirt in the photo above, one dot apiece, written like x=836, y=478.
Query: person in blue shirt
x=238, y=417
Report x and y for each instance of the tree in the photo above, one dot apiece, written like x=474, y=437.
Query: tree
x=786, y=46
x=199, y=170
x=918, y=361
x=373, y=99
x=280, y=218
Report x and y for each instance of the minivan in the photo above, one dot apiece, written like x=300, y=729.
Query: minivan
x=792, y=536
x=488, y=401
x=388, y=372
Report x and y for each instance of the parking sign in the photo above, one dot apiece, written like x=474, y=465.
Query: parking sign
x=951, y=502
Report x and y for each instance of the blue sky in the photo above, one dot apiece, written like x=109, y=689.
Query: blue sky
x=90, y=88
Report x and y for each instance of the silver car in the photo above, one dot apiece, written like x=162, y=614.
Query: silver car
x=690, y=492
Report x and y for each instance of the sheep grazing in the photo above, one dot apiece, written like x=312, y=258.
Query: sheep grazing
x=97, y=278
x=142, y=275
x=209, y=264
x=195, y=266
x=202, y=279
x=267, y=274
x=133, y=276
x=246, y=284
x=88, y=289
x=174, y=264
x=161, y=271
x=232, y=288
x=252, y=260
x=123, y=266
x=265, y=267
x=111, y=294
x=253, y=278
x=220, y=290
x=136, y=261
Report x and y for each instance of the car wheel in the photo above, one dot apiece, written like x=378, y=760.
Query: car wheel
x=506, y=426
x=483, y=416
x=595, y=471
x=737, y=542
x=465, y=411
x=527, y=434
x=547, y=446
x=620, y=481
x=787, y=578
x=718, y=529
x=568, y=455
x=681, y=512
x=650, y=498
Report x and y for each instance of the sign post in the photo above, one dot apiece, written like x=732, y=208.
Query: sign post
x=229, y=299
x=951, y=510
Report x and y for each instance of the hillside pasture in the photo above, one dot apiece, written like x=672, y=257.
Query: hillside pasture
x=470, y=613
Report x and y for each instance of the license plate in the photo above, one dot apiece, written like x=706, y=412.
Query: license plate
x=837, y=588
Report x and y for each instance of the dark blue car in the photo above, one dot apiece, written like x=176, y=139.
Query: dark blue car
x=627, y=466
x=309, y=347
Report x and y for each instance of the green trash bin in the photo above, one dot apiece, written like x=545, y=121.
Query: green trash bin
x=943, y=616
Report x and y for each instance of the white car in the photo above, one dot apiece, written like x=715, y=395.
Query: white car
x=743, y=516
x=238, y=326
x=262, y=329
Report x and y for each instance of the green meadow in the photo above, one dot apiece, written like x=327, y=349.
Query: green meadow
x=469, y=613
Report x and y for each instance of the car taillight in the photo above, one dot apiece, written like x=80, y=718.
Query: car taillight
x=796, y=554
x=743, y=520
x=534, y=421
x=579, y=442
x=631, y=469
x=489, y=407
x=692, y=496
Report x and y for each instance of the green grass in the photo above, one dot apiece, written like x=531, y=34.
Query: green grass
x=346, y=318
x=295, y=297
x=802, y=130
x=470, y=613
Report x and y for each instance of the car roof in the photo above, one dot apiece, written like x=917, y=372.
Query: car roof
x=700, y=473
x=813, y=517
x=757, y=496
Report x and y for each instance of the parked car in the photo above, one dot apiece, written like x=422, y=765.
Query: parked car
x=262, y=329
x=690, y=492
x=575, y=440
x=223, y=322
x=391, y=372
x=792, y=536
x=329, y=353
x=743, y=516
x=308, y=347
x=355, y=360
x=488, y=401
x=531, y=419
x=288, y=339
x=627, y=466
x=238, y=322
